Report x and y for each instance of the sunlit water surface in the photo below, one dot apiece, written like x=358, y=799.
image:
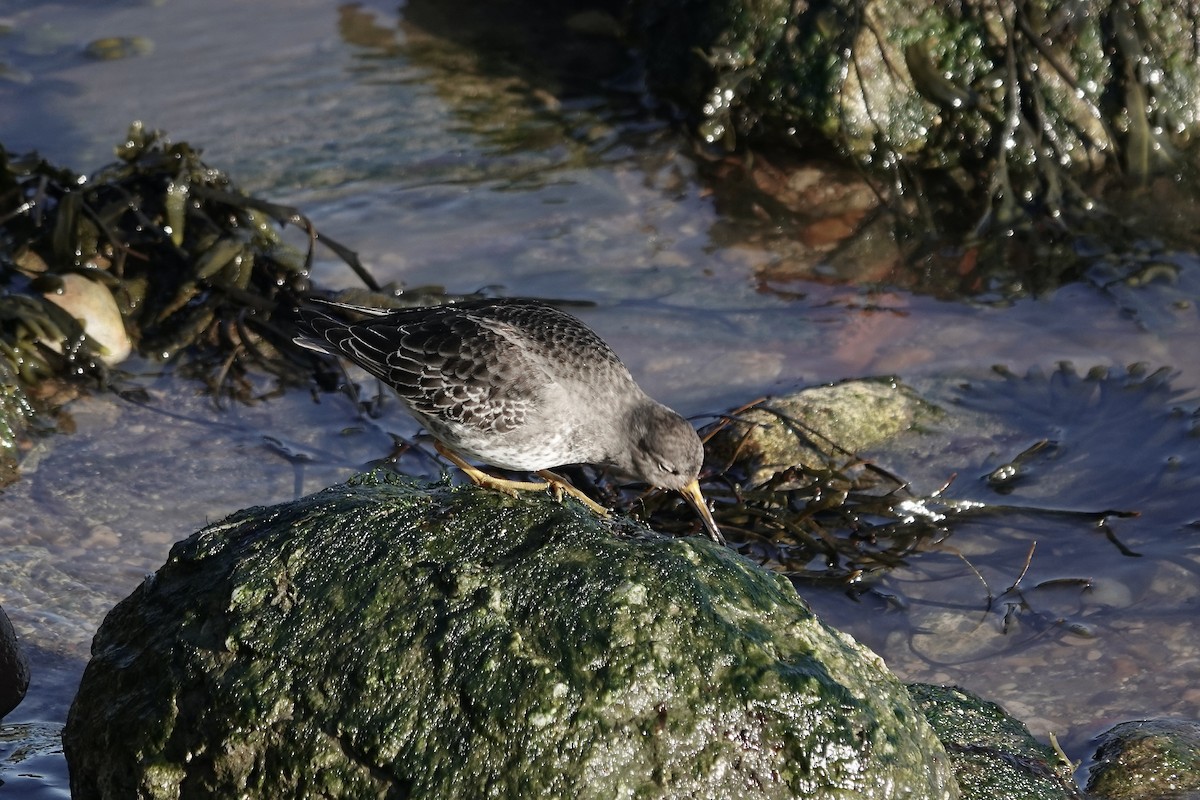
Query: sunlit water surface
x=406, y=149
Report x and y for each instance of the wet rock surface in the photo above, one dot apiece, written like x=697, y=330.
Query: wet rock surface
x=846, y=74
x=14, y=668
x=808, y=427
x=393, y=636
x=994, y=755
x=1149, y=758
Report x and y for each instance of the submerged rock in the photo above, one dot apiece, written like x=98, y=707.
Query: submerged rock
x=387, y=637
x=14, y=668
x=809, y=427
x=31, y=760
x=112, y=48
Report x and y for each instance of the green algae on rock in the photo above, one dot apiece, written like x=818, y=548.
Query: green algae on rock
x=943, y=84
x=994, y=756
x=388, y=637
x=809, y=427
x=1147, y=758
x=1004, y=139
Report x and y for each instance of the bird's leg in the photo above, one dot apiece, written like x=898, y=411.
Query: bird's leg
x=559, y=485
x=481, y=478
x=553, y=482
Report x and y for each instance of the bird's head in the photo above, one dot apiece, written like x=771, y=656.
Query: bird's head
x=667, y=453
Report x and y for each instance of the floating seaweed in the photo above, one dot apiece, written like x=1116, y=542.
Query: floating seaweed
x=832, y=517
x=841, y=521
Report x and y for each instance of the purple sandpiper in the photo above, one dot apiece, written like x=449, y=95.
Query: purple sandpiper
x=517, y=384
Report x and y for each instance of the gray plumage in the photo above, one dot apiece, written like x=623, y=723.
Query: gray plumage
x=517, y=384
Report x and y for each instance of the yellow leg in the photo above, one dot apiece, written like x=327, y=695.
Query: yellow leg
x=553, y=482
x=558, y=485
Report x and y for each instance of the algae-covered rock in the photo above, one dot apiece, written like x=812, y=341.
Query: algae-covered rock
x=994, y=756
x=391, y=638
x=938, y=82
x=1149, y=759
x=809, y=427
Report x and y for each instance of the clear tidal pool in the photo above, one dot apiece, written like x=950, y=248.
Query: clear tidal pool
x=442, y=166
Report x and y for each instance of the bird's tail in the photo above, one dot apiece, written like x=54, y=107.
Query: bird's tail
x=317, y=329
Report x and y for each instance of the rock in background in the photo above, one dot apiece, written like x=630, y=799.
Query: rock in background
x=14, y=668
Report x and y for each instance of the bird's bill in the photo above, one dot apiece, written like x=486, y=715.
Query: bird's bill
x=692, y=494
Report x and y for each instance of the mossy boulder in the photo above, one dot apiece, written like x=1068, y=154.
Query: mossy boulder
x=393, y=638
x=813, y=426
x=995, y=757
x=931, y=81
x=1147, y=759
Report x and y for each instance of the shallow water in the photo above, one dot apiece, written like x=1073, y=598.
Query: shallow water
x=437, y=167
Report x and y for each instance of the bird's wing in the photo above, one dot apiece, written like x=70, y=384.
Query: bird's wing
x=445, y=364
x=556, y=337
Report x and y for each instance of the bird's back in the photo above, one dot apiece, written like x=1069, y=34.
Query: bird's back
x=489, y=365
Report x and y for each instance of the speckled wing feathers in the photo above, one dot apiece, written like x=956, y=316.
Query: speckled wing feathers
x=484, y=365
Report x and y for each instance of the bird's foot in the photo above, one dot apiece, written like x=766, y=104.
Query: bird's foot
x=553, y=482
x=559, y=486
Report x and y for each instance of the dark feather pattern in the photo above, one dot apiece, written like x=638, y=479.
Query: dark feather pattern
x=482, y=364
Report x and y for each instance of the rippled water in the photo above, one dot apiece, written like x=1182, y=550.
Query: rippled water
x=441, y=166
